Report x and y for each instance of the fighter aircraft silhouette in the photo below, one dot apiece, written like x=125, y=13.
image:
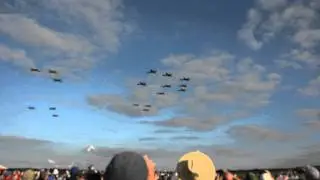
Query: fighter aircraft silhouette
x=167, y=74
x=166, y=86
x=52, y=108
x=182, y=90
x=51, y=71
x=57, y=80
x=185, y=79
x=55, y=115
x=31, y=108
x=152, y=71
x=146, y=110
x=142, y=83
x=135, y=104
x=160, y=93
x=34, y=70
x=183, y=85
x=148, y=106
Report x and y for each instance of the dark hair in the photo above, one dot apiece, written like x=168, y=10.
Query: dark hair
x=125, y=166
x=93, y=176
x=220, y=172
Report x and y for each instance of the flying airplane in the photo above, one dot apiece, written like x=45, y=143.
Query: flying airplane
x=167, y=74
x=182, y=90
x=160, y=93
x=152, y=71
x=146, y=110
x=57, y=80
x=52, y=108
x=135, y=104
x=55, y=115
x=51, y=71
x=34, y=70
x=142, y=84
x=183, y=85
x=148, y=106
x=166, y=86
x=31, y=108
x=185, y=79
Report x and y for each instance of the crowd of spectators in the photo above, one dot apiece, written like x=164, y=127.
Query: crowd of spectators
x=134, y=166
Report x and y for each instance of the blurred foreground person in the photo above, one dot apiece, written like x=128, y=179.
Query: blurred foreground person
x=251, y=176
x=151, y=166
x=229, y=176
x=196, y=166
x=43, y=175
x=76, y=174
x=266, y=175
x=311, y=173
x=93, y=176
x=7, y=175
x=28, y=175
x=130, y=166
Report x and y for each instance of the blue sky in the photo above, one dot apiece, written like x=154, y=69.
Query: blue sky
x=253, y=67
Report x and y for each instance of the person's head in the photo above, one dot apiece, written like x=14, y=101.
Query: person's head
x=44, y=175
x=129, y=166
x=312, y=173
x=196, y=166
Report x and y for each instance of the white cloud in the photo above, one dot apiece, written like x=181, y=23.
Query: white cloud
x=295, y=21
x=16, y=56
x=102, y=18
x=309, y=113
x=247, y=33
x=219, y=82
x=258, y=134
x=175, y=61
x=88, y=31
x=294, y=16
x=310, y=117
x=315, y=4
x=288, y=64
x=120, y=105
x=30, y=32
x=299, y=16
x=304, y=57
x=195, y=124
x=313, y=124
x=312, y=89
x=307, y=38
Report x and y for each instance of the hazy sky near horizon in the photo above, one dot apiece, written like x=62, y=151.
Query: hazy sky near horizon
x=254, y=84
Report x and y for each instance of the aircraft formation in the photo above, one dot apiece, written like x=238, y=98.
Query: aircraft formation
x=52, y=72
x=182, y=87
x=50, y=109
x=145, y=108
x=54, y=76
